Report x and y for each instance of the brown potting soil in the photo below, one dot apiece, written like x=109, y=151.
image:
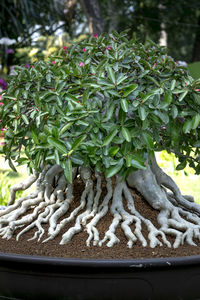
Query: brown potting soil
x=77, y=248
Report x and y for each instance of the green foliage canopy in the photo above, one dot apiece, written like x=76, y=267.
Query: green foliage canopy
x=107, y=102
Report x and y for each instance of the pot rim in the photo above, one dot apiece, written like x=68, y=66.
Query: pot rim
x=102, y=263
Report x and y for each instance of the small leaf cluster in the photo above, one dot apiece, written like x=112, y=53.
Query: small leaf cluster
x=106, y=102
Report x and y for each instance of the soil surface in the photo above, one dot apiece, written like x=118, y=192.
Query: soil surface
x=77, y=248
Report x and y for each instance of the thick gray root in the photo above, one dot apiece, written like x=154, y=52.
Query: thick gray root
x=150, y=183
x=166, y=181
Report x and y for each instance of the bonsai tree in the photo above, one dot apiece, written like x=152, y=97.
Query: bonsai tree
x=98, y=111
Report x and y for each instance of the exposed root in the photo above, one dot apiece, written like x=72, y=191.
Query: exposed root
x=163, y=179
x=149, y=184
x=21, y=187
x=86, y=176
x=102, y=210
x=178, y=215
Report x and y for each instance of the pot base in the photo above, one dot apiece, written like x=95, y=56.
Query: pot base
x=33, y=277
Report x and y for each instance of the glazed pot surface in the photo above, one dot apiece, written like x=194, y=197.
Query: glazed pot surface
x=35, y=277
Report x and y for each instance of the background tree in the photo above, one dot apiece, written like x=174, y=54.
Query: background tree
x=19, y=20
x=144, y=18
x=196, y=47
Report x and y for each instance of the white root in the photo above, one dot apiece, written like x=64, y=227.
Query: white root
x=49, y=210
x=21, y=187
x=8, y=231
x=96, y=200
x=103, y=208
x=48, y=181
x=110, y=233
x=119, y=213
x=86, y=176
x=153, y=232
x=178, y=215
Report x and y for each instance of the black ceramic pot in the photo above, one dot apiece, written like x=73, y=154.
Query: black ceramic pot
x=35, y=277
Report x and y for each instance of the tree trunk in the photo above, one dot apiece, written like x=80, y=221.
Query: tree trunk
x=93, y=13
x=196, y=48
x=70, y=11
x=163, y=33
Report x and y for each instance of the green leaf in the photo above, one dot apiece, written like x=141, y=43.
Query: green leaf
x=76, y=143
x=110, y=112
x=60, y=86
x=68, y=170
x=47, y=130
x=197, y=144
x=9, y=97
x=128, y=160
x=24, y=117
x=162, y=115
x=77, y=160
x=42, y=136
x=35, y=137
x=38, y=160
x=153, y=80
x=174, y=112
x=181, y=166
x=124, y=105
x=113, y=92
x=113, y=170
x=85, y=96
x=57, y=158
x=121, y=78
x=73, y=100
x=111, y=74
x=105, y=82
x=148, y=140
x=82, y=122
x=146, y=97
x=182, y=96
x=195, y=121
x=65, y=128
x=121, y=116
x=168, y=98
x=173, y=85
x=27, y=86
x=22, y=161
x=187, y=126
x=57, y=144
x=11, y=165
x=110, y=137
x=129, y=89
x=142, y=113
x=48, y=77
x=113, y=150
x=126, y=134
x=9, y=133
x=137, y=163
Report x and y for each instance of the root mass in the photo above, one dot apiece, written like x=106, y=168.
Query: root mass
x=177, y=216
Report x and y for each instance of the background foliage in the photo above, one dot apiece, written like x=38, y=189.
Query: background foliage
x=144, y=18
